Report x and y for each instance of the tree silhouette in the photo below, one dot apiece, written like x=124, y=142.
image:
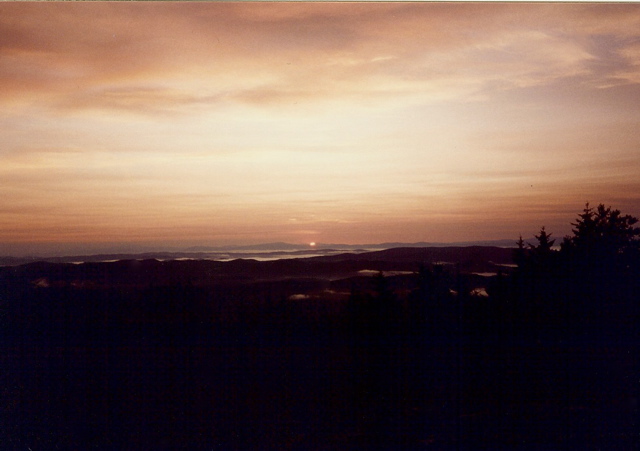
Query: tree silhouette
x=604, y=244
x=519, y=255
x=602, y=261
x=602, y=233
x=545, y=243
x=542, y=254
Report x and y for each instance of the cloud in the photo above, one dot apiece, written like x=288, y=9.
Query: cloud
x=299, y=297
x=156, y=57
x=138, y=99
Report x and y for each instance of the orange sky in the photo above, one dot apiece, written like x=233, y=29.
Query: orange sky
x=210, y=123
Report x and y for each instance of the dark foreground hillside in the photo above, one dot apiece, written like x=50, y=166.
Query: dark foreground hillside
x=313, y=354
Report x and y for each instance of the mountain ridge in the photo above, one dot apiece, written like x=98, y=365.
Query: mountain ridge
x=273, y=251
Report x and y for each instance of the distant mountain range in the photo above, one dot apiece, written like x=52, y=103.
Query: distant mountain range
x=12, y=253
x=266, y=251
x=280, y=246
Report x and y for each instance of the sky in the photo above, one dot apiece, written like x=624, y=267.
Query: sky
x=181, y=124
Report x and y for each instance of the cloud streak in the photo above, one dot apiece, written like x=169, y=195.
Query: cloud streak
x=275, y=53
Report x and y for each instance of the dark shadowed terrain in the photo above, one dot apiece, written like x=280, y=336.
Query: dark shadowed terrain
x=409, y=348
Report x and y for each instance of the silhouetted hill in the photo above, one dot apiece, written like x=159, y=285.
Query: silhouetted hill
x=263, y=251
x=467, y=255
x=393, y=349
x=206, y=272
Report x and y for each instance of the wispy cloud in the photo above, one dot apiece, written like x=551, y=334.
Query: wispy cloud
x=276, y=53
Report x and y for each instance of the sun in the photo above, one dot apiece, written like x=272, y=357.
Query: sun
x=312, y=244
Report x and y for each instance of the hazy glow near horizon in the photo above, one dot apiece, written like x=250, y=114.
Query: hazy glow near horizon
x=217, y=123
